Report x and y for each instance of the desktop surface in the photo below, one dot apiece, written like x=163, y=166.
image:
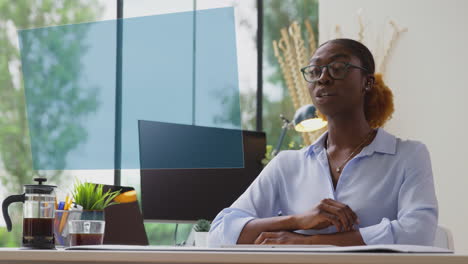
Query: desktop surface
x=17, y=256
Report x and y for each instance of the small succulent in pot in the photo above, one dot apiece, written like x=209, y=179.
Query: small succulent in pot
x=201, y=229
x=202, y=225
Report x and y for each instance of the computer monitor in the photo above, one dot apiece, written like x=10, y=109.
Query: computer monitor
x=186, y=195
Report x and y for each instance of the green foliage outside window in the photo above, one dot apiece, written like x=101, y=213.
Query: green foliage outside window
x=15, y=149
x=163, y=233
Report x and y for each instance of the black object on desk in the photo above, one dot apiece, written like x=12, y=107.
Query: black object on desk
x=124, y=222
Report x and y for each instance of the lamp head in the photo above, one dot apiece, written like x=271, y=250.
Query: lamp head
x=306, y=119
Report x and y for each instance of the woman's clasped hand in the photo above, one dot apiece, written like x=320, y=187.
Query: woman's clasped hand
x=327, y=213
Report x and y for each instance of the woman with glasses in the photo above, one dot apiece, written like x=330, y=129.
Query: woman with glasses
x=356, y=185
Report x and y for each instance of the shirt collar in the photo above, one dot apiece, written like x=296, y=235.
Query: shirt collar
x=383, y=142
x=318, y=145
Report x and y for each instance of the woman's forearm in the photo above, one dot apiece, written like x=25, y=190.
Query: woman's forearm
x=352, y=238
x=254, y=228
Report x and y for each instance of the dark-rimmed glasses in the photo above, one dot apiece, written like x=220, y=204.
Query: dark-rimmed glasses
x=337, y=70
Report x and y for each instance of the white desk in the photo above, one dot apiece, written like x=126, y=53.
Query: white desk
x=16, y=256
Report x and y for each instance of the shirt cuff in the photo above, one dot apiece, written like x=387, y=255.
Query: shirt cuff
x=380, y=233
x=237, y=225
x=229, y=233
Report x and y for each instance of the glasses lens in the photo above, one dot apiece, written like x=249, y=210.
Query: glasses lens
x=312, y=73
x=337, y=70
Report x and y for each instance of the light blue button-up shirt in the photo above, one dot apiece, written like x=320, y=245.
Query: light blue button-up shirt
x=389, y=185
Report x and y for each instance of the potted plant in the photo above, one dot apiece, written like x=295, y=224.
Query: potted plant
x=201, y=229
x=86, y=225
x=93, y=199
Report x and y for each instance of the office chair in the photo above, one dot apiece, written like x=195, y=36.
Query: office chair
x=444, y=238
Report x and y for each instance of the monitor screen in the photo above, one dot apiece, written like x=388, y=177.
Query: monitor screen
x=198, y=193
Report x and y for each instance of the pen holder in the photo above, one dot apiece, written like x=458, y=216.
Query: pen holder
x=61, y=226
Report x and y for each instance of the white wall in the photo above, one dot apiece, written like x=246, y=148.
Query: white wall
x=428, y=75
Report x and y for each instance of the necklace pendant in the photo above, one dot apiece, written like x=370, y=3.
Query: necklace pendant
x=338, y=170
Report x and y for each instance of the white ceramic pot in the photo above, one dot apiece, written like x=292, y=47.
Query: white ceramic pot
x=201, y=239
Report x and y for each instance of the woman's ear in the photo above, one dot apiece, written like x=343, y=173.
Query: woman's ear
x=370, y=82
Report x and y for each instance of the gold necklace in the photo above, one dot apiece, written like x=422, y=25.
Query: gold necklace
x=339, y=168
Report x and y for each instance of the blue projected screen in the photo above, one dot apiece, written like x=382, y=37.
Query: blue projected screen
x=172, y=72
x=197, y=147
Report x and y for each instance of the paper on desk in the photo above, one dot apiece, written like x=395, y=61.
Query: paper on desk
x=364, y=249
x=277, y=248
x=372, y=248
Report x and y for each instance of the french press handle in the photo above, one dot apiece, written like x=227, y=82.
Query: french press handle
x=10, y=199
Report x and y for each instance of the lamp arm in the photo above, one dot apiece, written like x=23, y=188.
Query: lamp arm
x=284, y=129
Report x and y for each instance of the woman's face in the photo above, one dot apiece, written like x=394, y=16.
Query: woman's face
x=335, y=97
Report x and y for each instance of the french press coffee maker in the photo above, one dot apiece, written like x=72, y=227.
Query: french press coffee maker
x=38, y=214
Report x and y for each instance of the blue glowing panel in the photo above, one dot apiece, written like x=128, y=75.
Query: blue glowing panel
x=70, y=80
x=198, y=146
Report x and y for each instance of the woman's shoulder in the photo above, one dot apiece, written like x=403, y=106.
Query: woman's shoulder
x=410, y=146
x=290, y=155
x=290, y=158
x=405, y=155
x=409, y=151
x=414, y=157
x=389, y=143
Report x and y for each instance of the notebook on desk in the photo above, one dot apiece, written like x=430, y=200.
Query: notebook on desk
x=277, y=248
x=364, y=249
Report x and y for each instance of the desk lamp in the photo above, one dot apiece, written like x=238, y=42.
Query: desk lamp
x=305, y=120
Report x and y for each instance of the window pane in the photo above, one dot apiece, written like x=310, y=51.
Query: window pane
x=278, y=15
x=245, y=13
x=16, y=166
x=245, y=20
x=139, y=8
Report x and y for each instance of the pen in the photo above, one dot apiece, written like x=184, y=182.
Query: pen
x=64, y=217
x=68, y=202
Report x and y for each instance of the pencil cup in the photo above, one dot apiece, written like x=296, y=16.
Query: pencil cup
x=61, y=227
